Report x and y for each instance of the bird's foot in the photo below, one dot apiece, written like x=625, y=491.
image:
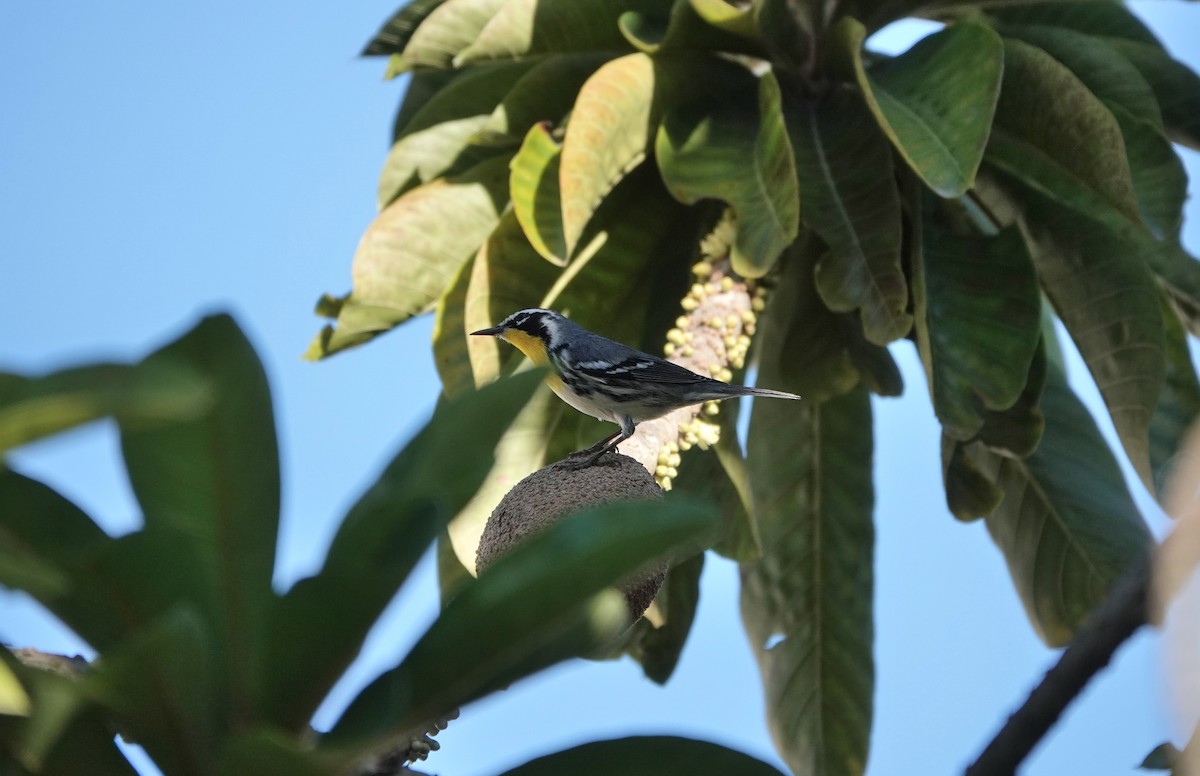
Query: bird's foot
x=584, y=458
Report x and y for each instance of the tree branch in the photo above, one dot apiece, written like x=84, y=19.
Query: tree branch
x=1115, y=620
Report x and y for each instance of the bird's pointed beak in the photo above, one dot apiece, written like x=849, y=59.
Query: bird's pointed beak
x=494, y=331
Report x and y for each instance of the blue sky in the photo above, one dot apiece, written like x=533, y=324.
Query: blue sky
x=162, y=160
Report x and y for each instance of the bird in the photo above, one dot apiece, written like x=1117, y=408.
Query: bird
x=608, y=380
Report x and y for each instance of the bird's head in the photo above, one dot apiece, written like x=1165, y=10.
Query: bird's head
x=531, y=331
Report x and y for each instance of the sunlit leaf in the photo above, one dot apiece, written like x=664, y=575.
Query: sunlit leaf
x=450, y=337
x=850, y=200
x=519, y=609
x=733, y=146
x=395, y=33
x=545, y=94
x=698, y=24
x=412, y=250
x=523, y=28
x=535, y=195
x=448, y=29
x=646, y=756
x=934, y=101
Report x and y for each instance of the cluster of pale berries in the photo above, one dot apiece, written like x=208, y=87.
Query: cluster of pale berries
x=733, y=331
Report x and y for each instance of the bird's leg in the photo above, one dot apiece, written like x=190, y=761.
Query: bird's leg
x=593, y=453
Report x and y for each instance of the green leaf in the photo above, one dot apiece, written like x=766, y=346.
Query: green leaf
x=14, y=701
x=658, y=647
x=64, y=734
x=851, y=201
x=712, y=478
x=507, y=275
x=32, y=408
x=521, y=451
x=44, y=539
x=1163, y=757
x=1159, y=181
x=439, y=139
x=272, y=752
x=800, y=338
x=1018, y=429
x=507, y=624
x=733, y=147
x=726, y=29
x=608, y=135
x=1067, y=525
x=535, y=195
x=379, y=542
x=935, y=101
x=162, y=686
x=450, y=337
x=613, y=124
x=448, y=29
x=646, y=756
x=978, y=316
x=544, y=94
x=1109, y=302
x=394, y=35
x=214, y=483
x=1175, y=85
x=1050, y=126
x=806, y=604
x=1179, y=403
x=412, y=251
x=524, y=28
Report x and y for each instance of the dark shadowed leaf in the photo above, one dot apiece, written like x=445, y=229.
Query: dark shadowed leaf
x=658, y=647
x=213, y=483
x=510, y=622
x=380, y=540
x=395, y=33
x=63, y=734
x=850, y=200
x=935, y=101
x=1067, y=525
x=32, y=408
x=43, y=538
x=1109, y=302
x=732, y=145
x=162, y=684
x=273, y=752
x=807, y=603
x=646, y=756
x=1176, y=86
x=1161, y=758
x=1179, y=404
x=1049, y=125
x=978, y=315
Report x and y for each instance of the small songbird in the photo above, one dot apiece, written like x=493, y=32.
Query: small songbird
x=608, y=380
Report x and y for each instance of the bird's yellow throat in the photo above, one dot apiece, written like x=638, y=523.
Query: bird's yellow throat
x=531, y=346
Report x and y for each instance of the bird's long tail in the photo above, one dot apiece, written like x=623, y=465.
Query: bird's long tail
x=728, y=391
